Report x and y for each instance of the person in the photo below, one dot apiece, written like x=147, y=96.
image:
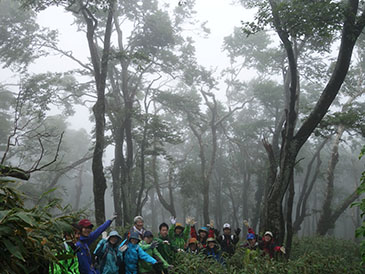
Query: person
x=203, y=234
x=192, y=246
x=137, y=227
x=266, y=243
x=251, y=243
x=166, y=249
x=108, y=255
x=132, y=252
x=86, y=239
x=150, y=247
x=68, y=262
x=228, y=241
x=178, y=234
x=212, y=251
x=268, y=246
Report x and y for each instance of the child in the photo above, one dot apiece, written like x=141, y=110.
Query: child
x=192, y=246
x=164, y=244
x=203, y=233
x=228, y=241
x=109, y=257
x=178, y=234
x=132, y=252
x=68, y=262
x=268, y=246
x=212, y=251
x=251, y=243
x=149, y=247
x=87, y=238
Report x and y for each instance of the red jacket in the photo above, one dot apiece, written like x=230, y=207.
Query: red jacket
x=203, y=242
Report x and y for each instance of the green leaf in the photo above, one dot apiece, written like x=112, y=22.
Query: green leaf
x=14, y=250
x=26, y=217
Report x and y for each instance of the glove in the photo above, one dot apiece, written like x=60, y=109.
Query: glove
x=188, y=220
x=154, y=244
x=193, y=222
x=237, y=231
x=112, y=218
x=211, y=224
x=123, y=248
x=282, y=249
x=166, y=242
x=173, y=220
x=104, y=235
x=245, y=222
x=180, y=250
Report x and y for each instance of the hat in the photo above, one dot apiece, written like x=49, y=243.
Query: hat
x=203, y=229
x=137, y=218
x=211, y=239
x=148, y=234
x=226, y=225
x=134, y=235
x=85, y=223
x=268, y=233
x=115, y=234
x=179, y=225
x=193, y=241
x=250, y=236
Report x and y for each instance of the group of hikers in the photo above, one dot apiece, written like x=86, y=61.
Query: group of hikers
x=139, y=251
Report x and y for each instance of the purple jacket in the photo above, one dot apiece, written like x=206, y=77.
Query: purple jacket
x=84, y=255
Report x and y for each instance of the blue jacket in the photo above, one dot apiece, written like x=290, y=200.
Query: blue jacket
x=131, y=256
x=84, y=256
x=109, y=255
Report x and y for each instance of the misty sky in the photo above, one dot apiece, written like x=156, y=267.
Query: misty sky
x=220, y=15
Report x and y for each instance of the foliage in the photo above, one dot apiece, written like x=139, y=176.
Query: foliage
x=30, y=237
x=313, y=20
x=360, y=232
x=312, y=255
x=21, y=38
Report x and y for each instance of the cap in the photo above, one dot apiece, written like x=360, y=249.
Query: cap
x=211, y=240
x=250, y=236
x=115, y=233
x=137, y=218
x=148, y=234
x=179, y=225
x=203, y=229
x=134, y=235
x=268, y=233
x=193, y=241
x=226, y=225
x=85, y=223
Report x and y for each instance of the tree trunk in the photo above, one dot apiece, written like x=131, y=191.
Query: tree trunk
x=100, y=74
x=301, y=210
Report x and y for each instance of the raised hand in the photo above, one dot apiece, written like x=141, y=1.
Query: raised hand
x=173, y=220
x=282, y=249
x=245, y=222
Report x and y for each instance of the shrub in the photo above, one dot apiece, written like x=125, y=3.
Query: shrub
x=30, y=238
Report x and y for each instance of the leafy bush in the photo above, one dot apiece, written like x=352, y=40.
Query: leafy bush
x=310, y=255
x=30, y=238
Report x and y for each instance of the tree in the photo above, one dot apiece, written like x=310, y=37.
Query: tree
x=292, y=139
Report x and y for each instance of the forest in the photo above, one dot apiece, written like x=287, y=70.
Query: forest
x=139, y=108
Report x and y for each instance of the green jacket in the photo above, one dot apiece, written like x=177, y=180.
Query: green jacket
x=143, y=266
x=180, y=240
x=67, y=262
x=167, y=250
